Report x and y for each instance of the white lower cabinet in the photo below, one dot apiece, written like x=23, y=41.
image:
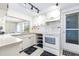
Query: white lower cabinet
x=28, y=40
x=10, y=50
x=14, y=49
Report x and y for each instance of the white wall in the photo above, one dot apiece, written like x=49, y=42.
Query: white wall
x=37, y=24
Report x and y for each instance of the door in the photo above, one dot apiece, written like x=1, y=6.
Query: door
x=71, y=31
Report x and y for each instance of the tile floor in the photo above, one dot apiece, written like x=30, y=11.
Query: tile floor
x=37, y=52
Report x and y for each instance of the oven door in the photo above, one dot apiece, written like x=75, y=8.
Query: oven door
x=51, y=41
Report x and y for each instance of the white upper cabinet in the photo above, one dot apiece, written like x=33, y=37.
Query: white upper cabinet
x=53, y=14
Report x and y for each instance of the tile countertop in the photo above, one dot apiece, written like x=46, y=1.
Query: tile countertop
x=8, y=40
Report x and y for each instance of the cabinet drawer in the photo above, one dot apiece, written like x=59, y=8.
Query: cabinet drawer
x=27, y=44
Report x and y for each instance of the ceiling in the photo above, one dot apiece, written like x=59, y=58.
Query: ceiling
x=68, y=5
x=43, y=6
x=22, y=8
x=25, y=9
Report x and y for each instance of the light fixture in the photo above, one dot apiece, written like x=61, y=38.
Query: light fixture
x=32, y=6
x=56, y=4
x=37, y=11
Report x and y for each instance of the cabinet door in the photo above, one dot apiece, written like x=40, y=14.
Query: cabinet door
x=28, y=41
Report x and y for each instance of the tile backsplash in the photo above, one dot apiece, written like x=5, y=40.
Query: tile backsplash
x=53, y=27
